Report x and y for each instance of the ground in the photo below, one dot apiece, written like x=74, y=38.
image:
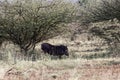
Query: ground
x=77, y=69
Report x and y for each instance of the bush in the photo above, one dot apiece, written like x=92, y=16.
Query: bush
x=110, y=32
x=27, y=22
x=103, y=10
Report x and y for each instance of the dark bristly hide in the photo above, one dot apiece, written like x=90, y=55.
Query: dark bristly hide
x=55, y=50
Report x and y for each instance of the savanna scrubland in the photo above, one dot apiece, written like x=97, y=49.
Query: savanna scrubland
x=89, y=28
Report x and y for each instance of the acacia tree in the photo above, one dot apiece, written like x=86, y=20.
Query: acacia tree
x=27, y=22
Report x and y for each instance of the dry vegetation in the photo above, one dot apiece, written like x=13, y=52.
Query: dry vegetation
x=90, y=57
x=79, y=69
x=82, y=64
x=73, y=68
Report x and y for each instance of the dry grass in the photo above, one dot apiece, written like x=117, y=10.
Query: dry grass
x=66, y=69
x=72, y=68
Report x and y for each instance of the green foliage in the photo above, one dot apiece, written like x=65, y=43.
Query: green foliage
x=107, y=31
x=110, y=32
x=27, y=22
x=82, y=2
x=105, y=10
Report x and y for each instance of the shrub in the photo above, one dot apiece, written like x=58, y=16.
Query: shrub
x=110, y=32
x=27, y=22
x=104, y=10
